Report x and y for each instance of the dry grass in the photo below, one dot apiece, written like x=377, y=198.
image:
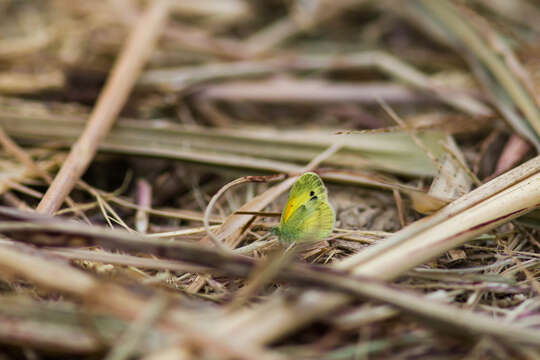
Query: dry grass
x=423, y=118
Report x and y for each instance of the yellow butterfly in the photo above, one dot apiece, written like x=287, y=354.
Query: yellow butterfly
x=307, y=216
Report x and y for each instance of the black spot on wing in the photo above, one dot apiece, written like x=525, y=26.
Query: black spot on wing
x=314, y=198
x=311, y=193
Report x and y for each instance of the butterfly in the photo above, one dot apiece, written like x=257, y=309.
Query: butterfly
x=307, y=216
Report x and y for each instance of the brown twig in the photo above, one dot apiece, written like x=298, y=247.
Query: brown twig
x=123, y=76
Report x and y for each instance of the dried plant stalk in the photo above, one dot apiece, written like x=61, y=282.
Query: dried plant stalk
x=123, y=77
x=260, y=149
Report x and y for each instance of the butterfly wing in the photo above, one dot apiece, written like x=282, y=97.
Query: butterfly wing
x=311, y=221
x=307, y=186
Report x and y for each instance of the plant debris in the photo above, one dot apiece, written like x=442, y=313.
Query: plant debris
x=149, y=146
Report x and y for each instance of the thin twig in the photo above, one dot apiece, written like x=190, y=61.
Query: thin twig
x=123, y=76
x=12, y=148
x=217, y=242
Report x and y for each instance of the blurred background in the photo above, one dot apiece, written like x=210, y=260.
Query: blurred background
x=285, y=75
